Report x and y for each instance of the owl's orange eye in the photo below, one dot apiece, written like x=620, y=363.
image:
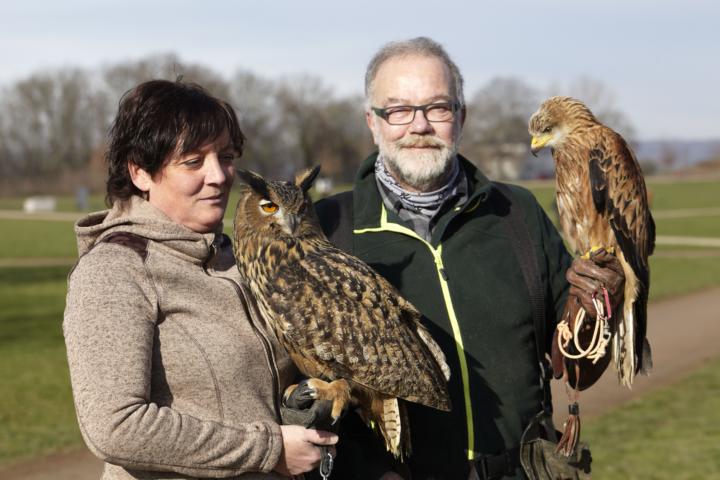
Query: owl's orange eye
x=269, y=207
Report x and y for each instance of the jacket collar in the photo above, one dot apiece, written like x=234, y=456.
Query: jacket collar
x=139, y=217
x=367, y=202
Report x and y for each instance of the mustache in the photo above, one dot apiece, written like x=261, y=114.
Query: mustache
x=420, y=142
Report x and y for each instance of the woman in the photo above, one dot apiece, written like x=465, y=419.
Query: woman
x=173, y=374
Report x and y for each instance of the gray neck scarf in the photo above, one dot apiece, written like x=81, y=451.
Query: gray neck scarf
x=426, y=203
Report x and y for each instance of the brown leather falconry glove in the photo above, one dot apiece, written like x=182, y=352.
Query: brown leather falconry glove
x=586, y=278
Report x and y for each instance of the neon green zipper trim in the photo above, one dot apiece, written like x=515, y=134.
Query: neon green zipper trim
x=386, y=226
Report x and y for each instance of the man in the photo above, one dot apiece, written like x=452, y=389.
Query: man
x=429, y=221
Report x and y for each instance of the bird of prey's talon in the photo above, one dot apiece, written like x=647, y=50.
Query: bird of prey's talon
x=299, y=396
x=338, y=392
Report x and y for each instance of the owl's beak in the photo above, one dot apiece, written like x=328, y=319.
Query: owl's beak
x=293, y=222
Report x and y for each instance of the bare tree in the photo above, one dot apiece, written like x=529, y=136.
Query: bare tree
x=121, y=77
x=255, y=100
x=50, y=122
x=348, y=139
x=602, y=101
x=495, y=133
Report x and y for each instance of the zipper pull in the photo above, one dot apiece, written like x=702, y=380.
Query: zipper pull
x=443, y=274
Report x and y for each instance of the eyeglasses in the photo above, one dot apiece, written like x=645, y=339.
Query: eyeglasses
x=405, y=114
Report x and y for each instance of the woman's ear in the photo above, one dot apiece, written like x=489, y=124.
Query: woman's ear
x=140, y=178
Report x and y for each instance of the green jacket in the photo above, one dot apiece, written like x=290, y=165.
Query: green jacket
x=469, y=286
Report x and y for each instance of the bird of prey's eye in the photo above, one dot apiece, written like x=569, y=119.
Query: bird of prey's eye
x=268, y=207
x=547, y=130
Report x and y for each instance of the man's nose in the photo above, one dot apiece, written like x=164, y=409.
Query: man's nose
x=420, y=123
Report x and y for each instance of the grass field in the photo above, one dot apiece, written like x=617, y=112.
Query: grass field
x=36, y=413
x=64, y=203
x=664, y=194
x=673, y=433
x=36, y=410
x=37, y=238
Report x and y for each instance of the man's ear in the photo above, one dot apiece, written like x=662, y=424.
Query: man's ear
x=140, y=178
x=370, y=119
x=463, y=114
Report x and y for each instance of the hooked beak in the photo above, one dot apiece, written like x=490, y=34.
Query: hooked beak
x=292, y=221
x=538, y=143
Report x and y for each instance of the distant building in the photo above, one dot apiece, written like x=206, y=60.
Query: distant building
x=39, y=204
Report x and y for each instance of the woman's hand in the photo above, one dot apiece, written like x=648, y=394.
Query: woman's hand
x=301, y=452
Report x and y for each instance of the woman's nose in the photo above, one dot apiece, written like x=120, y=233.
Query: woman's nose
x=216, y=172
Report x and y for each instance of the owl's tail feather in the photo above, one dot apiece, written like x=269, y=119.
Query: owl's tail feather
x=395, y=427
x=389, y=418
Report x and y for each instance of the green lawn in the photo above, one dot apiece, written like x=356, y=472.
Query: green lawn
x=37, y=238
x=36, y=410
x=65, y=203
x=664, y=195
x=684, y=194
x=692, y=226
x=677, y=275
x=673, y=433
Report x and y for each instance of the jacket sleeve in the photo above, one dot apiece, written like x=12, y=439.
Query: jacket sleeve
x=109, y=327
x=558, y=260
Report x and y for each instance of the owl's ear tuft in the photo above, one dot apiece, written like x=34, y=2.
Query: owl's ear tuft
x=254, y=181
x=305, y=179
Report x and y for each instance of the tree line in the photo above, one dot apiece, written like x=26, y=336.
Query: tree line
x=55, y=122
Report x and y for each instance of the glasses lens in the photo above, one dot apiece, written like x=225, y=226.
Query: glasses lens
x=399, y=115
x=439, y=112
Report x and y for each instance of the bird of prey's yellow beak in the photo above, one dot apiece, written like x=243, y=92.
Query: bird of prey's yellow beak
x=538, y=143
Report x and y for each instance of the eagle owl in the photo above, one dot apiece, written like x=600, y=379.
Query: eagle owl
x=602, y=202
x=340, y=321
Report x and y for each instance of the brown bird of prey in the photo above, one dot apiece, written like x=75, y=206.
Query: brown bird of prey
x=339, y=320
x=602, y=202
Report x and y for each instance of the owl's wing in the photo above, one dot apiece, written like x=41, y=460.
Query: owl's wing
x=340, y=313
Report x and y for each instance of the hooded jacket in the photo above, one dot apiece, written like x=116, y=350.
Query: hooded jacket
x=173, y=374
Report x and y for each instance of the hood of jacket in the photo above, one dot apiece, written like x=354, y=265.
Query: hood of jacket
x=137, y=216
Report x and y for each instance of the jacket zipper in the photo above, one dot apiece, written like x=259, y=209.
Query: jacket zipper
x=267, y=346
x=272, y=362
x=443, y=277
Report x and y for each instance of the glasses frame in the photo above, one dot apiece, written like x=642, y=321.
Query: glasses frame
x=382, y=112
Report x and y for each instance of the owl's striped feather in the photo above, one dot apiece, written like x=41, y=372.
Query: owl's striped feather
x=336, y=316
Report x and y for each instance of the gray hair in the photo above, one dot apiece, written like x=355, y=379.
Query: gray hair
x=421, y=46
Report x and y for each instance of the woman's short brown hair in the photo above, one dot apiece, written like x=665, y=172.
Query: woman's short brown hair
x=158, y=118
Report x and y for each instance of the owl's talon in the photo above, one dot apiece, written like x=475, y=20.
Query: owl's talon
x=299, y=396
x=338, y=392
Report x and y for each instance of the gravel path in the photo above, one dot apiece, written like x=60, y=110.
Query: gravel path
x=684, y=334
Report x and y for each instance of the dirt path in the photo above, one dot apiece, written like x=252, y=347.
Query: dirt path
x=684, y=333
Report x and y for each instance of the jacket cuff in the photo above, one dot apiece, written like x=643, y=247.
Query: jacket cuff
x=274, y=447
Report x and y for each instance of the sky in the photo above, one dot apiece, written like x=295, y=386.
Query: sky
x=659, y=59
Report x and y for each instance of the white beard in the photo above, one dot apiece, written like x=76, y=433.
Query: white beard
x=418, y=169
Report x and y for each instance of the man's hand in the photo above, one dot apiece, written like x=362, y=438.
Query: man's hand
x=301, y=451
x=587, y=277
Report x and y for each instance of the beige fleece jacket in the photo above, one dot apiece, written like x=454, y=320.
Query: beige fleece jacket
x=173, y=374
